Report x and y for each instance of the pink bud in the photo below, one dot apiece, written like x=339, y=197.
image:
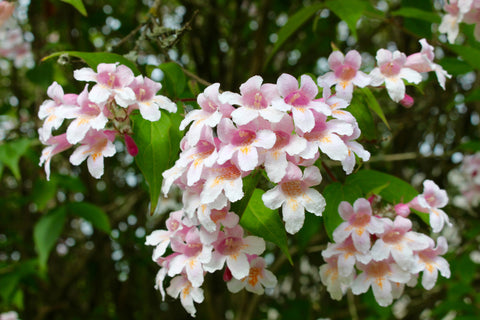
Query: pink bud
x=372, y=198
x=131, y=145
x=407, y=101
x=402, y=210
x=227, y=275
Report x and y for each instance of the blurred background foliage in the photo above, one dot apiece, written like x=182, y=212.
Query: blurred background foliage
x=73, y=247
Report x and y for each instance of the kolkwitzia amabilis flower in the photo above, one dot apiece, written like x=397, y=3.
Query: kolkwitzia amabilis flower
x=231, y=247
x=294, y=195
x=111, y=79
x=286, y=143
x=258, y=278
x=211, y=112
x=383, y=277
x=348, y=163
x=430, y=201
x=430, y=263
x=147, y=101
x=54, y=111
x=456, y=10
x=359, y=223
x=6, y=11
x=325, y=135
x=242, y=144
x=88, y=115
x=222, y=179
x=95, y=146
x=337, y=285
x=347, y=255
x=254, y=101
x=391, y=70
x=398, y=241
x=345, y=73
x=181, y=286
x=55, y=144
x=161, y=238
x=300, y=101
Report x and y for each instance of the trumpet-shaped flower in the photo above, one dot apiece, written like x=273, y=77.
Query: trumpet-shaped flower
x=147, y=101
x=161, y=238
x=359, y=223
x=300, y=101
x=294, y=195
x=254, y=100
x=226, y=178
x=242, y=145
x=336, y=284
x=181, y=286
x=111, y=79
x=391, y=70
x=95, y=146
x=231, y=247
x=345, y=73
x=258, y=278
x=56, y=144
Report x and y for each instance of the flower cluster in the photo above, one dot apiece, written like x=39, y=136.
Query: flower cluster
x=467, y=11
x=386, y=253
x=98, y=115
x=12, y=43
x=392, y=68
x=467, y=179
x=281, y=127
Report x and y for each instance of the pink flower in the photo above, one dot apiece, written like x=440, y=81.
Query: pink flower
x=231, y=247
x=181, y=286
x=211, y=112
x=54, y=111
x=222, y=179
x=345, y=73
x=193, y=253
x=391, y=70
x=88, y=116
x=348, y=163
x=398, y=240
x=430, y=262
x=95, y=146
x=336, y=284
x=423, y=62
x=300, y=101
x=147, y=102
x=258, y=278
x=111, y=79
x=430, y=201
x=286, y=142
x=294, y=195
x=456, y=10
x=56, y=144
x=325, y=135
x=384, y=277
x=254, y=100
x=359, y=223
x=347, y=255
x=161, y=238
x=242, y=145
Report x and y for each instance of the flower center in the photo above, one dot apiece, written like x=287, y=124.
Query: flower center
x=282, y=140
x=243, y=138
x=293, y=188
x=230, y=246
x=192, y=249
x=217, y=215
x=377, y=269
x=392, y=236
x=297, y=99
x=345, y=73
x=390, y=69
x=360, y=219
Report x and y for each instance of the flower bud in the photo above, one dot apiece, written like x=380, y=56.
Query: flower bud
x=131, y=145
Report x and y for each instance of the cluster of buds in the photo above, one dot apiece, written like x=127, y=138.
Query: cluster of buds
x=467, y=179
x=12, y=43
x=458, y=11
x=98, y=115
x=386, y=253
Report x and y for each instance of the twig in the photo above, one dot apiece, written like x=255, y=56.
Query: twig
x=128, y=36
x=352, y=309
x=195, y=77
x=329, y=172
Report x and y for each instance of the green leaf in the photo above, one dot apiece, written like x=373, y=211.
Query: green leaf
x=472, y=146
x=157, y=151
x=293, y=24
x=10, y=154
x=43, y=192
x=46, y=232
x=91, y=213
x=264, y=222
x=174, y=79
x=349, y=11
x=455, y=66
x=373, y=104
x=417, y=14
x=78, y=4
x=93, y=59
x=392, y=189
x=469, y=54
x=334, y=194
